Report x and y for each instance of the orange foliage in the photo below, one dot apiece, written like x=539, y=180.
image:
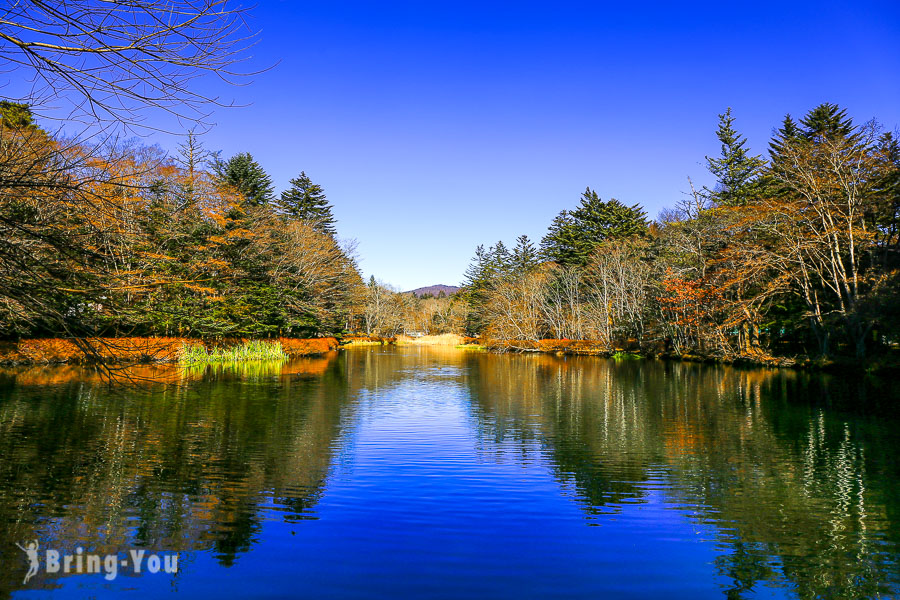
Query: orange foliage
x=56, y=350
x=309, y=366
x=153, y=373
x=132, y=349
x=686, y=301
x=300, y=347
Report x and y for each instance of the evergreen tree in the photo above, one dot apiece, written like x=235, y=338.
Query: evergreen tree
x=827, y=120
x=736, y=171
x=560, y=239
x=247, y=176
x=476, y=272
x=574, y=235
x=16, y=115
x=476, y=288
x=787, y=133
x=306, y=200
x=500, y=259
x=884, y=209
x=782, y=139
x=524, y=255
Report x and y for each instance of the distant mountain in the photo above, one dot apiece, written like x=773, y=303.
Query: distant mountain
x=434, y=290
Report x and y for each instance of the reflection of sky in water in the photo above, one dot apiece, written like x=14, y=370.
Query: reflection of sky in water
x=415, y=473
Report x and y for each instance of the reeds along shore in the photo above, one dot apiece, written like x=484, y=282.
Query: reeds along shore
x=158, y=350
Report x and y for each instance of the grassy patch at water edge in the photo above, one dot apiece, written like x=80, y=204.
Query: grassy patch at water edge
x=621, y=355
x=249, y=350
x=471, y=347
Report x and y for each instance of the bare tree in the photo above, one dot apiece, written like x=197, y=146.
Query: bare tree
x=110, y=60
x=384, y=309
x=515, y=311
x=563, y=306
x=616, y=281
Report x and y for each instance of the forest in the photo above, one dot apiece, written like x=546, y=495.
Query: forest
x=793, y=253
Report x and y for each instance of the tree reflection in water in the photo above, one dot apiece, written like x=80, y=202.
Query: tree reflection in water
x=795, y=474
x=183, y=464
x=799, y=486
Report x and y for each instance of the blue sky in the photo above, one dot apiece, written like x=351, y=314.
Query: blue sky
x=436, y=126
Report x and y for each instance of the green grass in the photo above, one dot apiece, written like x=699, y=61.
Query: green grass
x=620, y=355
x=248, y=369
x=473, y=347
x=252, y=350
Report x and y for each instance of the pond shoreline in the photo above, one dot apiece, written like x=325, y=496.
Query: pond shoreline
x=880, y=365
x=138, y=350
x=167, y=350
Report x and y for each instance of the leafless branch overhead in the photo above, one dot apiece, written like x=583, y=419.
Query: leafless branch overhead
x=111, y=60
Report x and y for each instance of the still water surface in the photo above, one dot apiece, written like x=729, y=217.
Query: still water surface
x=430, y=473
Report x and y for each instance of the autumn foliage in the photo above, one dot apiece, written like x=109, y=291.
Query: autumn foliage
x=134, y=349
x=306, y=347
x=118, y=239
x=797, y=255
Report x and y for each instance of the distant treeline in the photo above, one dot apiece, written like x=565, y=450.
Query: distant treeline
x=798, y=252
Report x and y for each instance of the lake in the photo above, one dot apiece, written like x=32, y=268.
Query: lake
x=408, y=472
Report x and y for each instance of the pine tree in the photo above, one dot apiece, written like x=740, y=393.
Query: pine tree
x=500, y=259
x=824, y=123
x=16, y=115
x=827, y=120
x=524, y=256
x=247, y=176
x=785, y=135
x=574, y=235
x=306, y=200
x=736, y=171
x=559, y=242
x=885, y=209
x=476, y=286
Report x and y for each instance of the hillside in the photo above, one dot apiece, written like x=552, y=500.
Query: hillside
x=434, y=290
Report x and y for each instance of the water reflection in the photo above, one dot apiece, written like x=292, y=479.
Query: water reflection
x=800, y=495
x=785, y=482
x=179, y=467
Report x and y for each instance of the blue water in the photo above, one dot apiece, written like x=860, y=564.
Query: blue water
x=429, y=473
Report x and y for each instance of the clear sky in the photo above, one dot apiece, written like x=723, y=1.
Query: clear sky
x=435, y=126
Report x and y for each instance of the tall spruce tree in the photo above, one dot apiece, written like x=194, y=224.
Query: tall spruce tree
x=477, y=284
x=783, y=136
x=306, y=200
x=575, y=234
x=827, y=120
x=247, y=176
x=736, y=171
x=560, y=238
x=500, y=259
x=524, y=256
